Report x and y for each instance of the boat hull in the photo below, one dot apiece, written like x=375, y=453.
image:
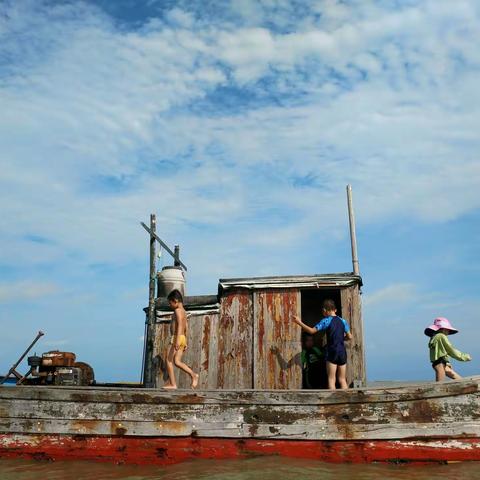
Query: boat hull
x=168, y=450
x=426, y=422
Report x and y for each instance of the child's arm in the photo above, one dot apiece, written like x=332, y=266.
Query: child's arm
x=454, y=353
x=306, y=328
x=348, y=335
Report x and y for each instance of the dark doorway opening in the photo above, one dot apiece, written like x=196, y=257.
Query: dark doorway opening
x=314, y=373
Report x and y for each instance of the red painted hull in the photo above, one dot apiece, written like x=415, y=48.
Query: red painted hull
x=169, y=450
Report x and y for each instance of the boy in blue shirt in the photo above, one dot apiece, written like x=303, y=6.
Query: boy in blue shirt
x=337, y=331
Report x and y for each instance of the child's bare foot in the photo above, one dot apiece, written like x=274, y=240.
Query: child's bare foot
x=195, y=380
x=170, y=387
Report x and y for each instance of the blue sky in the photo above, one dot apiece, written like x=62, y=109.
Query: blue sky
x=239, y=124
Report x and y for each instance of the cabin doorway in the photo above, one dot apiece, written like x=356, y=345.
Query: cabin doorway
x=314, y=373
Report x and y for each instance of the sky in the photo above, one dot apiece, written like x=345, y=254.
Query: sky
x=239, y=123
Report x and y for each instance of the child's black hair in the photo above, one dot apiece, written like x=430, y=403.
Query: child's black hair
x=175, y=295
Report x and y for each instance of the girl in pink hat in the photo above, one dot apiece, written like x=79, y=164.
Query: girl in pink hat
x=441, y=349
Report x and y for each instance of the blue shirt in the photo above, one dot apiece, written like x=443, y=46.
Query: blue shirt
x=324, y=323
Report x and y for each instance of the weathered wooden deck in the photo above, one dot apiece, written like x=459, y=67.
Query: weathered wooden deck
x=428, y=421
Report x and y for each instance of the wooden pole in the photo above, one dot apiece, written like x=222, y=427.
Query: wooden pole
x=353, y=235
x=148, y=379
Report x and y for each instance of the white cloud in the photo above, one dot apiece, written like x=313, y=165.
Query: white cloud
x=396, y=294
x=26, y=290
x=87, y=102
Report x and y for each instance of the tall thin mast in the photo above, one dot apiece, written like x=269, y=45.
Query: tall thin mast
x=353, y=235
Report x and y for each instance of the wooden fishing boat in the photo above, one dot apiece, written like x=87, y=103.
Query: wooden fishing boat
x=250, y=399
x=425, y=422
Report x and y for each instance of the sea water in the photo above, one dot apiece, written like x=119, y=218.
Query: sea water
x=265, y=468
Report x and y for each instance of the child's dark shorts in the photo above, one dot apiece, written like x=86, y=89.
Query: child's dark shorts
x=337, y=357
x=440, y=360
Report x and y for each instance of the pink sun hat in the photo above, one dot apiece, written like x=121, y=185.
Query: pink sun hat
x=438, y=323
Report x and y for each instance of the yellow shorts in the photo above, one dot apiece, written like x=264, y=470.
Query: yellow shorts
x=182, y=341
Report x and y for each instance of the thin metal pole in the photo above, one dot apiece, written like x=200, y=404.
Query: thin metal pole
x=15, y=365
x=149, y=340
x=353, y=235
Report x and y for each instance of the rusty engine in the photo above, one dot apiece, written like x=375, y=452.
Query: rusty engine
x=58, y=368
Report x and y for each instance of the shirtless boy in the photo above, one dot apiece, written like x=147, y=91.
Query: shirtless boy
x=178, y=342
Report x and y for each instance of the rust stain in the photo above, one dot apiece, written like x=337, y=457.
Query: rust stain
x=275, y=329
x=234, y=341
x=206, y=342
x=178, y=428
x=86, y=426
x=423, y=411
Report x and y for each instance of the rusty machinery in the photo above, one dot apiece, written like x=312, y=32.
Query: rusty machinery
x=52, y=368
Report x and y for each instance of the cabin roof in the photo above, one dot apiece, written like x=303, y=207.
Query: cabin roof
x=292, y=281
x=192, y=304
x=211, y=302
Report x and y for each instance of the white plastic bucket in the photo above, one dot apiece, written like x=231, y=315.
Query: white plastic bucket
x=169, y=279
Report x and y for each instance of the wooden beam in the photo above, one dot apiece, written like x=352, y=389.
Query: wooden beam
x=163, y=244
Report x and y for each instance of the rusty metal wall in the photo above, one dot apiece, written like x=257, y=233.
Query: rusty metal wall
x=277, y=345
x=233, y=356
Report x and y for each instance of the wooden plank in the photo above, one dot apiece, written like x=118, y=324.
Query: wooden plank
x=162, y=333
x=358, y=346
x=426, y=390
x=200, y=326
x=209, y=354
x=235, y=344
x=277, y=355
x=447, y=410
x=210, y=338
x=238, y=429
x=193, y=353
x=351, y=311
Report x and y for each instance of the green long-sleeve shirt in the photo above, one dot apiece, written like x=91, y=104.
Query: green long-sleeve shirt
x=440, y=346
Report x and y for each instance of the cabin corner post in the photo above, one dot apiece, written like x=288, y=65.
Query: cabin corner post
x=352, y=311
x=353, y=235
x=148, y=377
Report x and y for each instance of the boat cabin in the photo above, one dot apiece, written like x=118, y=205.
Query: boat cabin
x=244, y=337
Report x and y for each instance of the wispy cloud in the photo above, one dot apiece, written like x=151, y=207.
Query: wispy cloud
x=26, y=290
x=396, y=294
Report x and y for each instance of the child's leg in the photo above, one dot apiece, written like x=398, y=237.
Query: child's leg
x=342, y=376
x=332, y=375
x=171, y=383
x=439, y=372
x=451, y=373
x=185, y=367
